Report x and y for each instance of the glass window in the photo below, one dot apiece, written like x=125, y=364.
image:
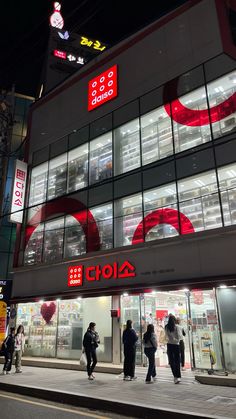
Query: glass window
x=199, y=201
x=100, y=160
x=128, y=215
x=156, y=136
x=75, y=239
x=53, y=242
x=127, y=147
x=222, y=104
x=104, y=221
x=78, y=168
x=191, y=126
x=34, y=248
x=38, y=184
x=227, y=183
x=160, y=222
x=57, y=176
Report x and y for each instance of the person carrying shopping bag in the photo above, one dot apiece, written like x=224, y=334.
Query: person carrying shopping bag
x=150, y=347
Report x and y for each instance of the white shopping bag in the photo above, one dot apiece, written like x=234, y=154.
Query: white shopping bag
x=83, y=360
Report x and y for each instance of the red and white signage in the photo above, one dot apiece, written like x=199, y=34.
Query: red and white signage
x=56, y=19
x=102, y=88
x=18, y=194
x=75, y=276
x=97, y=272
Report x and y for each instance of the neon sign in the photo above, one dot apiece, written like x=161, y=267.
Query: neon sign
x=102, y=88
x=18, y=195
x=56, y=19
x=97, y=272
x=70, y=57
x=97, y=45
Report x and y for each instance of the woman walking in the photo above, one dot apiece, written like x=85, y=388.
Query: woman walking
x=173, y=337
x=150, y=347
x=129, y=339
x=9, y=344
x=90, y=344
x=19, y=347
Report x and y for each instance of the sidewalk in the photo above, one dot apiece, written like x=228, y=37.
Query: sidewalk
x=163, y=399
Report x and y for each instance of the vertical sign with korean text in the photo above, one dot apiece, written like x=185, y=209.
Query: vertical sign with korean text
x=18, y=192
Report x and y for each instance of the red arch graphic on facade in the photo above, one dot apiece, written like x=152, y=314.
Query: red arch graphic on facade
x=192, y=117
x=71, y=207
x=162, y=216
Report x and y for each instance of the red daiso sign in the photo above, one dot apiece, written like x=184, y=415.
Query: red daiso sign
x=102, y=88
x=114, y=270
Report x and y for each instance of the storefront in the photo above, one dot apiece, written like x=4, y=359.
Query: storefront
x=56, y=328
x=135, y=195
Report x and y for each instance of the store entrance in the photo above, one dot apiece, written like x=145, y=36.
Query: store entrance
x=198, y=316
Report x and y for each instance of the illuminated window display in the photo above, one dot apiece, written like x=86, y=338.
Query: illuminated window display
x=57, y=176
x=74, y=241
x=78, y=168
x=34, y=248
x=227, y=183
x=53, y=240
x=100, y=160
x=159, y=199
x=128, y=214
x=222, y=105
x=199, y=201
x=190, y=128
x=38, y=184
x=104, y=220
x=127, y=147
x=56, y=328
x=156, y=136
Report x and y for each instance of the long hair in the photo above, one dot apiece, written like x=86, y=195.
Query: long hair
x=129, y=324
x=147, y=335
x=171, y=325
x=18, y=329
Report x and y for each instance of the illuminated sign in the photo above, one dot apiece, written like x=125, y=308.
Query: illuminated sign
x=64, y=35
x=56, y=19
x=102, y=88
x=18, y=194
x=70, y=57
x=97, y=272
x=97, y=45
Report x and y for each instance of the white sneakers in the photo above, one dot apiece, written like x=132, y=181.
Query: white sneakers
x=4, y=372
x=177, y=380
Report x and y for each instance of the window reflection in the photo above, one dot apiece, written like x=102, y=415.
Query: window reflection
x=104, y=220
x=53, y=241
x=34, y=248
x=128, y=215
x=38, y=184
x=75, y=240
x=227, y=183
x=57, y=176
x=78, y=168
x=127, y=147
x=100, y=162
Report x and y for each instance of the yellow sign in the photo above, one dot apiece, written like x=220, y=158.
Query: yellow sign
x=97, y=45
x=3, y=320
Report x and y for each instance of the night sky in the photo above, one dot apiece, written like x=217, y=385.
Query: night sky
x=25, y=31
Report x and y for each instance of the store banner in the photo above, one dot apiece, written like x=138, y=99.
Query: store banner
x=18, y=192
x=198, y=296
x=3, y=320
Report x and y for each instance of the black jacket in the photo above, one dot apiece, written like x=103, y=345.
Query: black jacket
x=129, y=338
x=9, y=344
x=90, y=340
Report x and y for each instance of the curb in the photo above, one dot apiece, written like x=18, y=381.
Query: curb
x=216, y=381
x=131, y=410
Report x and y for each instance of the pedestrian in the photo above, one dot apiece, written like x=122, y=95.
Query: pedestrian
x=150, y=347
x=173, y=337
x=90, y=344
x=129, y=340
x=181, y=343
x=19, y=347
x=9, y=345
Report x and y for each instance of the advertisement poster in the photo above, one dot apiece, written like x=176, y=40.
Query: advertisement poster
x=211, y=316
x=3, y=320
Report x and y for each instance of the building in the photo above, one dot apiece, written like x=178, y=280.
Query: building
x=131, y=207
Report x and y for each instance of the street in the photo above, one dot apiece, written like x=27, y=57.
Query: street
x=14, y=406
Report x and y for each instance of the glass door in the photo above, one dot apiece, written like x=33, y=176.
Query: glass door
x=204, y=328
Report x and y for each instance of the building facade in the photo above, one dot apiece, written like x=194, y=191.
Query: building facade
x=131, y=206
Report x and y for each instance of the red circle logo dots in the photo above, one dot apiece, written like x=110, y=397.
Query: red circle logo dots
x=75, y=276
x=102, y=88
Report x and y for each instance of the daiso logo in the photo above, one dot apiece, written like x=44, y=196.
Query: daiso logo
x=102, y=88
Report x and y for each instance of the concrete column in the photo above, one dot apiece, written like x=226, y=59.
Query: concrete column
x=116, y=343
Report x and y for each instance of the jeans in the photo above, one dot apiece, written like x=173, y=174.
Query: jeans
x=150, y=354
x=129, y=362
x=174, y=359
x=91, y=356
x=8, y=361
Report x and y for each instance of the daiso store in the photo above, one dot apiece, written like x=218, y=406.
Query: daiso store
x=130, y=205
